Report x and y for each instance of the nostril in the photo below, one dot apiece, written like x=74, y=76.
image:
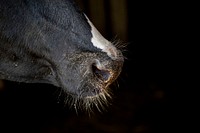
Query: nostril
x=102, y=74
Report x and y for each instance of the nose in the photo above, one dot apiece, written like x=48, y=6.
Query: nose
x=101, y=73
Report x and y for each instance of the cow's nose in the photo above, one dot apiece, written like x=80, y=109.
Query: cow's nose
x=101, y=72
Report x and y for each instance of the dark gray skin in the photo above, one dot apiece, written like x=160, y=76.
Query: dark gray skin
x=49, y=41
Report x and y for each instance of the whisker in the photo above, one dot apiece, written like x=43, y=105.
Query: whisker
x=119, y=44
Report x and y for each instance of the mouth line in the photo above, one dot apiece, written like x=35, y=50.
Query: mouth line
x=93, y=93
x=96, y=96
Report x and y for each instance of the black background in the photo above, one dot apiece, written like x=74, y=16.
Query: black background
x=147, y=99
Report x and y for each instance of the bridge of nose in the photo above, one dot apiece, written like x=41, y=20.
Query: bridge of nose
x=101, y=43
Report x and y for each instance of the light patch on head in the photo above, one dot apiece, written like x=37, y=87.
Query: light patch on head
x=100, y=42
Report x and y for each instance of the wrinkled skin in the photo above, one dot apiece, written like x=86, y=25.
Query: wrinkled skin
x=48, y=41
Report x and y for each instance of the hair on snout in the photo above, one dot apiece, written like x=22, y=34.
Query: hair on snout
x=87, y=104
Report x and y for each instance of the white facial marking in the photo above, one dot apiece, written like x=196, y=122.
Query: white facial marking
x=100, y=42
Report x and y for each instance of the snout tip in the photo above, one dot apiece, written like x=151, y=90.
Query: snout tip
x=102, y=74
x=107, y=71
